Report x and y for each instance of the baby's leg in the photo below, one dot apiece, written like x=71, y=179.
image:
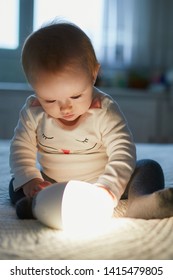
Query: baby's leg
x=15, y=196
x=147, y=197
x=22, y=203
x=157, y=205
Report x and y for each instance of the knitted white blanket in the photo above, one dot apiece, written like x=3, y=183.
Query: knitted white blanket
x=126, y=239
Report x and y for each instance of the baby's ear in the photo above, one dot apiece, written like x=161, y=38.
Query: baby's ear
x=95, y=73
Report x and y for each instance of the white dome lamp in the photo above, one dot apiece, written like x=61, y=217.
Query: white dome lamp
x=73, y=206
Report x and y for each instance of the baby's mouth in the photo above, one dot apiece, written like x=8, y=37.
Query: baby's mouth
x=68, y=116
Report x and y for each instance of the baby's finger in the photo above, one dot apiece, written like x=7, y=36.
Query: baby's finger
x=44, y=184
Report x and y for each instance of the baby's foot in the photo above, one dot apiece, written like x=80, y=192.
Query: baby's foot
x=165, y=202
x=157, y=205
x=24, y=208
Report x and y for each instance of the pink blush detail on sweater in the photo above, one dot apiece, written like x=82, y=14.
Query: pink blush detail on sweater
x=96, y=103
x=35, y=103
x=66, y=151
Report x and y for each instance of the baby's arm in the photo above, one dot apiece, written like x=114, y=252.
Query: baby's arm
x=108, y=192
x=23, y=149
x=120, y=149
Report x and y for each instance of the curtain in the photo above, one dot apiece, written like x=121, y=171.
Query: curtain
x=138, y=33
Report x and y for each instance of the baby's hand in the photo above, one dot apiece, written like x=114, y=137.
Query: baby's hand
x=34, y=186
x=108, y=192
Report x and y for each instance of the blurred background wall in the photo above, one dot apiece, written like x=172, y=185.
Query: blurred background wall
x=133, y=40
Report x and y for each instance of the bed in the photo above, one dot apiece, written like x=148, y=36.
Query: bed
x=126, y=238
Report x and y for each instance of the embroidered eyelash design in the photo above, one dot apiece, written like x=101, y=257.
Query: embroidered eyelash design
x=45, y=137
x=83, y=141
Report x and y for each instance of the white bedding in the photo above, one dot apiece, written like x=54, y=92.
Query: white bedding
x=126, y=239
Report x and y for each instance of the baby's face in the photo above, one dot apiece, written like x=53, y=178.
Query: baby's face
x=64, y=96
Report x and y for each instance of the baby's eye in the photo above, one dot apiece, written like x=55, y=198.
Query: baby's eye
x=50, y=101
x=76, y=96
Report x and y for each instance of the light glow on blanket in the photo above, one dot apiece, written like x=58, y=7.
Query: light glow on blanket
x=76, y=207
x=86, y=208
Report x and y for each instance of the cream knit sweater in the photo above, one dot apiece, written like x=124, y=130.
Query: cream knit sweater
x=99, y=148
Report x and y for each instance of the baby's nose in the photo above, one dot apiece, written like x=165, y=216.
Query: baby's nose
x=65, y=107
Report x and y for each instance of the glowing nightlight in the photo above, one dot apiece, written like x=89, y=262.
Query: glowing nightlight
x=73, y=206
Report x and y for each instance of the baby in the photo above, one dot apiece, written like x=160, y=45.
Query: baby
x=75, y=131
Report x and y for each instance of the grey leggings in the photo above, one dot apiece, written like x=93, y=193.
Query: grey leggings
x=147, y=178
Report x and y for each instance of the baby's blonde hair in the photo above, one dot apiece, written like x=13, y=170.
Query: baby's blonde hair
x=55, y=47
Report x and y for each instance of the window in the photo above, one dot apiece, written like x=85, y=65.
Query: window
x=124, y=33
x=9, y=24
x=86, y=14
x=16, y=23
x=106, y=22
x=21, y=17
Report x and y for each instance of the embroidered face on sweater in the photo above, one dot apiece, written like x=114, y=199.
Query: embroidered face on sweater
x=82, y=138
x=74, y=146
